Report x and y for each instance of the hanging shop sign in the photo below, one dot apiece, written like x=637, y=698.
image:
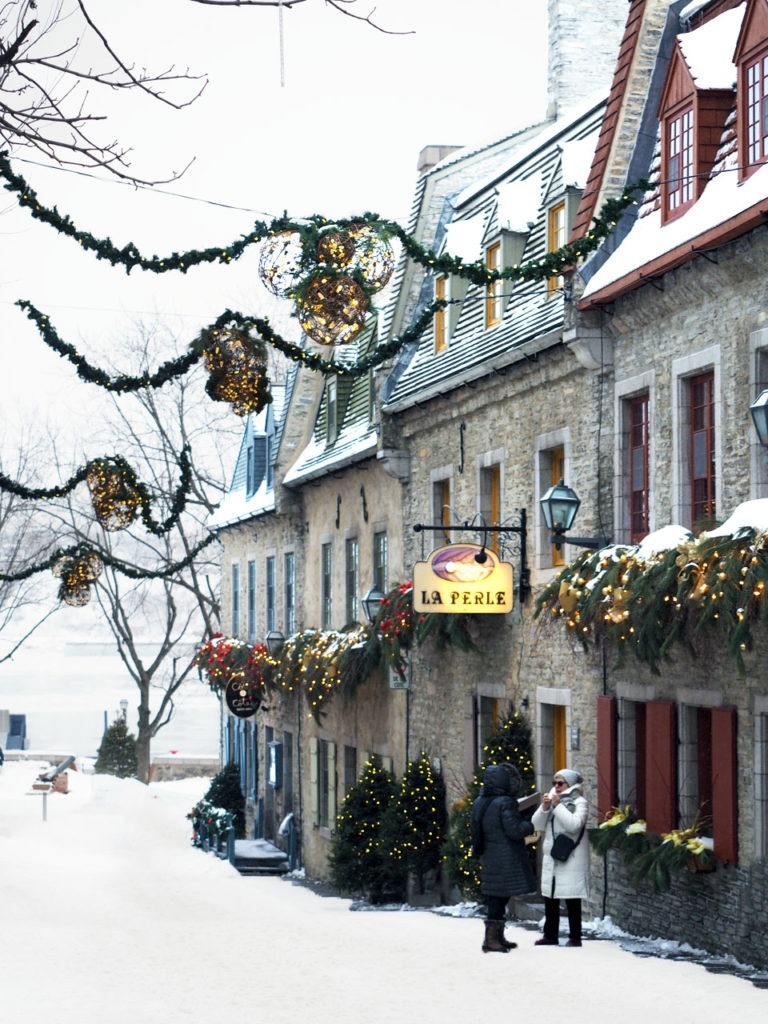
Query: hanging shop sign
x=243, y=698
x=463, y=578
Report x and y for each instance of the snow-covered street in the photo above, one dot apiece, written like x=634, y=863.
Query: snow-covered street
x=110, y=916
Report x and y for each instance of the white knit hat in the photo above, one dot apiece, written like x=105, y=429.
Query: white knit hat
x=571, y=776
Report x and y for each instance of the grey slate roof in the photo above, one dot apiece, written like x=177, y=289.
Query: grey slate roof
x=532, y=318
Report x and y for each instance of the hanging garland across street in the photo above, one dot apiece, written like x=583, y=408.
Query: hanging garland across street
x=330, y=269
x=81, y=564
x=116, y=492
x=710, y=585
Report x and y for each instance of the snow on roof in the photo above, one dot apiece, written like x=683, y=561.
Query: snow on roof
x=577, y=160
x=708, y=50
x=519, y=202
x=724, y=197
x=464, y=238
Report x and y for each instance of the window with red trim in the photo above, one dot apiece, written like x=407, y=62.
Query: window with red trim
x=637, y=457
x=756, y=81
x=702, y=448
x=679, y=161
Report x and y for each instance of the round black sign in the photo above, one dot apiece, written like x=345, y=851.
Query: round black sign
x=242, y=698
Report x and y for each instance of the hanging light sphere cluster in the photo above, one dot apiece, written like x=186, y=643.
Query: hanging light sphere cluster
x=346, y=267
x=280, y=262
x=237, y=370
x=333, y=308
x=115, y=500
x=77, y=573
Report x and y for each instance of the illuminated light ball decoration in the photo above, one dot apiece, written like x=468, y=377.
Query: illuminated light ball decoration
x=237, y=371
x=336, y=248
x=332, y=309
x=115, y=500
x=280, y=262
x=374, y=258
x=77, y=573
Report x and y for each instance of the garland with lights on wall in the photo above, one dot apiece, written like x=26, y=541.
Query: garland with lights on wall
x=322, y=663
x=713, y=586
x=80, y=565
x=116, y=493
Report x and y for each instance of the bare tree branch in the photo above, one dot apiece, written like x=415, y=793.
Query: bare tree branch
x=342, y=6
x=45, y=78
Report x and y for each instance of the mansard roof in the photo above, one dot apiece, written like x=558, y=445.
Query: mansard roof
x=355, y=437
x=729, y=204
x=475, y=216
x=237, y=505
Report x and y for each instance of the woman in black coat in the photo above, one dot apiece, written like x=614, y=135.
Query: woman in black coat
x=499, y=831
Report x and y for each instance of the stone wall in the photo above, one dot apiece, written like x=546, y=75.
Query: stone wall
x=722, y=912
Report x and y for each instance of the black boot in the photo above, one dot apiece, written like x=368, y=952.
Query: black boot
x=494, y=938
x=505, y=940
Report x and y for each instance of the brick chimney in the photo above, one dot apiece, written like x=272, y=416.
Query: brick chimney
x=583, y=38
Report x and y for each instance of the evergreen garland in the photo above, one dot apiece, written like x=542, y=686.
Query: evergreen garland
x=132, y=572
x=131, y=481
x=704, y=587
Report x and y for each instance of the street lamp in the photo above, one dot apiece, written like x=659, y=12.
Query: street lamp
x=372, y=602
x=274, y=641
x=559, y=507
x=759, y=410
x=124, y=708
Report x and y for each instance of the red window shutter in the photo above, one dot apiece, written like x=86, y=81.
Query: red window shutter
x=724, y=799
x=606, y=755
x=660, y=762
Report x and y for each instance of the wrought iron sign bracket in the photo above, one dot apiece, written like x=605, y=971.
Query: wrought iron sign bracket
x=524, y=578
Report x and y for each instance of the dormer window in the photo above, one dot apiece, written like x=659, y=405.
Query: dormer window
x=332, y=410
x=493, y=291
x=441, y=315
x=679, y=172
x=757, y=110
x=555, y=241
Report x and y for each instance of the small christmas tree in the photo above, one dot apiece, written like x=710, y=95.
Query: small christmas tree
x=225, y=792
x=414, y=827
x=510, y=744
x=117, y=752
x=358, y=862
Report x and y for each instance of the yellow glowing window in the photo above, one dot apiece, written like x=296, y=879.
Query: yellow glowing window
x=441, y=320
x=493, y=291
x=555, y=241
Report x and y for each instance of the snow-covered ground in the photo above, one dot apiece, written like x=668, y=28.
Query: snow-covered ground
x=109, y=916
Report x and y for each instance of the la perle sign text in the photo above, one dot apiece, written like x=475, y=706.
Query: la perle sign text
x=464, y=578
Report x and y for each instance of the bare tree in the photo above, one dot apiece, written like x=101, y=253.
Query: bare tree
x=53, y=57
x=23, y=542
x=349, y=7
x=158, y=621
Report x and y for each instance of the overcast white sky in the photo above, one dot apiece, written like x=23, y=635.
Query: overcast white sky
x=340, y=137
x=111, y=917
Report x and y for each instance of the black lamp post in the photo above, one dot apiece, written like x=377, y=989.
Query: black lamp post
x=759, y=410
x=559, y=507
x=274, y=641
x=372, y=602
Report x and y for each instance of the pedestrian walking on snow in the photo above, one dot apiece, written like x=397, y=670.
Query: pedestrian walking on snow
x=563, y=810
x=498, y=836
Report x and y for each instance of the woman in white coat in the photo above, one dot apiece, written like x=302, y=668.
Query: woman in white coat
x=563, y=809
